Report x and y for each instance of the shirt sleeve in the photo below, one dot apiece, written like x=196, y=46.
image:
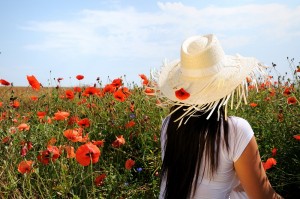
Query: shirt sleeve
x=242, y=134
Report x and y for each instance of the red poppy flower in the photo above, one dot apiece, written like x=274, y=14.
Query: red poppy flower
x=15, y=104
x=130, y=124
x=34, y=98
x=253, y=104
x=117, y=83
x=72, y=135
x=50, y=154
x=4, y=82
x=149, y=91
x=129, y=164
x=84, y=123
x=23, y=127
x=292, y=100
x=274, y=152
x=77, y=89
x=98, y=143
x=297, y=137
x=25, y=166
x=61, y=115
x=41, y=114
x=1, y=104
x=99, y=180
x=145, y=79
x=87, y=153
x=108, y=88
x=34, y=83
x=119, y=141
x=52, y=141
x=119, y=95
x=79, y=77
x=26, y=146
x=182, y=94
x=69, y=94
x=286, y=92
x=297, y=70
x=70, y=151
x=269, y=163
x=92, y=91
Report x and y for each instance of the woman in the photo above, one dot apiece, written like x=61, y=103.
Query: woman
x=205, y=153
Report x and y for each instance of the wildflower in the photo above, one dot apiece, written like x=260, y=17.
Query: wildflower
x=269, y=163
x=182, y=94
x=4, y=82
x=34, y=98
x=23, y=127
x=99, y=180
x=70, y=151
x=69, y=94
x=119, y=141
x=98, y=143
x=41, y=114
x=6, y=139
x=26, y=146
x=15, y=104
x=51, y=153
x=1, y=104
x=72, y=135
x=61, y=115
x=292, y=100
x=129, y=164
x=92, y=91
x=139, y=169
x=34, y=83
x=286, y=92
x=84, y=123
x=79, y=77
x=77, y=89
x=59, y=79
x=145, y=79
x=274, y=151
x=117, y=83
x=25, y=166
x=253, y=104
x=149, y=91
x=130, y=124
x=297, y=137
x=119, y=95
x=52, y=141
x=87, y=153
x=108, y=88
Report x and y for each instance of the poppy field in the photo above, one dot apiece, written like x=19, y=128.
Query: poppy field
x=103, y=140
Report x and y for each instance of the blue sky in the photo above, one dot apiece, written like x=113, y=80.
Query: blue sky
x=113, y=38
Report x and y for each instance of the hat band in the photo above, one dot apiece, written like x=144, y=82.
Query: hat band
x=203, y=72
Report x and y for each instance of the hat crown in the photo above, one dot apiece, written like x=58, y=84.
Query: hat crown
x=200, y=56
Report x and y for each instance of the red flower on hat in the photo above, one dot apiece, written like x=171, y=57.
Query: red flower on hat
x=182, y=94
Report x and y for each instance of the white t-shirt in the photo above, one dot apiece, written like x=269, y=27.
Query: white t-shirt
x=224, y=180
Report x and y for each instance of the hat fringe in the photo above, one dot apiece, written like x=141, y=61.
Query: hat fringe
x=236, y=97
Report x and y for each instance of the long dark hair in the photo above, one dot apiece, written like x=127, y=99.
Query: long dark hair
x=184, y=150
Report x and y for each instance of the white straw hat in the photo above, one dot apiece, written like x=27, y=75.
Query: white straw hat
x=205, y=75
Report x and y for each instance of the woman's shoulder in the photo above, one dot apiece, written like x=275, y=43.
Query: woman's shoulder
x=238, y=122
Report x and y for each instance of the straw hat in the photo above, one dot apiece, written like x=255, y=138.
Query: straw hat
x=205, y=75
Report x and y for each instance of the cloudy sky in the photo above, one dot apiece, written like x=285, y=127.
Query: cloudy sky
x=113, y=38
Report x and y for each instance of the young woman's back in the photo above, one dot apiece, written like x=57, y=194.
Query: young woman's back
x=224, y=180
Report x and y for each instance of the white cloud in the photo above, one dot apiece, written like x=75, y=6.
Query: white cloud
x=128, y=32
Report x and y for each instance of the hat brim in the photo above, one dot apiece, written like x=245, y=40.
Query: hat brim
x=206, y=89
